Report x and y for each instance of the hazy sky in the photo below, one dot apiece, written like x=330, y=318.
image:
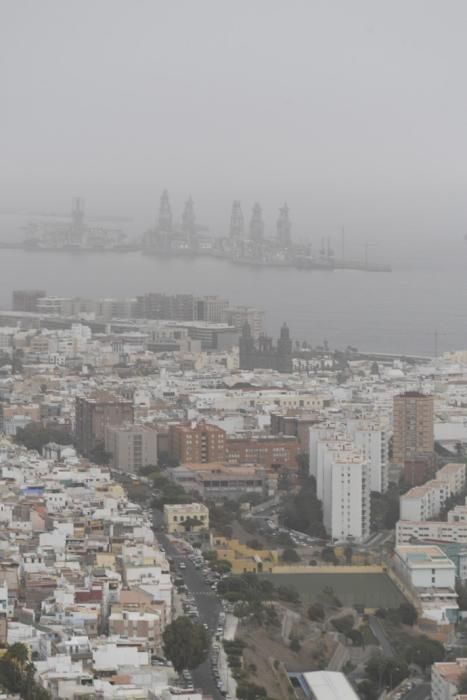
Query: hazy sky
x=355, y=111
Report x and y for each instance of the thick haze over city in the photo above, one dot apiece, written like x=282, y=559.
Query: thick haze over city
x=353, y=112
x=233, y=350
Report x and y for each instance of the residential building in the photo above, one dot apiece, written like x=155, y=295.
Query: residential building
x=186, y=517
x=422, y=530
x=94, y=413
x=219, y=480
x=26, y=299
x=211, y=309
x=431, y=575
x=454, y=475
x=143, y=626
x=269, y=451
x=413, y=425
x=237, y=316
x=345, y=493
x=424, y=502
x=196, y=443
x=243, y=558
x=371, y=437
x=445, y=677
x=131, y=446
x=297, y=424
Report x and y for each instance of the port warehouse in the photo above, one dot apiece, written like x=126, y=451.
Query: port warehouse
x=367, y=586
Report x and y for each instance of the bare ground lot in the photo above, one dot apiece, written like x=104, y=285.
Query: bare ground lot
x=263, y=649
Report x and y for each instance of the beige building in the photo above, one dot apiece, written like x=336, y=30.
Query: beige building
x=413, y=427
x=445, y=677
x=185, y=517
x=131, y=446
x=133, y=624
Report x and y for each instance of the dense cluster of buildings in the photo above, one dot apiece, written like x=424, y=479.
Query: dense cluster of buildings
x=83, y=582
x=82, y=578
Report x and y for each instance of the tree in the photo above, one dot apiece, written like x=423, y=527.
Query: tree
x=328, y=555
x=190, y=523
x=368, y=690
x=250, y=691
x=384, y=671
x=461, y=590
x=284, y=539
x=17, y=674
x=316, y=612
x=295, y=645
x=18, y=652
x=186, y=643
x=34, y=436
x=356, y=637
x=304, y=512
x=99, y=455
x=424, y=652
x=348, y=553
x=343, y=624
x=407, y=614
x=290, y=556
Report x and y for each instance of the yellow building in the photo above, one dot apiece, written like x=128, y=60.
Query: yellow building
x=186, y=517
x=243, y=558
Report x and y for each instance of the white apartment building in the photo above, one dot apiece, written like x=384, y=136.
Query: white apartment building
x=445, y=676
x=325, y=450
x=372, y=439
x=346, y=495
x=458, y=514
x=408, y=530
x=320, y=433
x=424, y=566
x=369, y=437
x=454, y=475
x=424, y=502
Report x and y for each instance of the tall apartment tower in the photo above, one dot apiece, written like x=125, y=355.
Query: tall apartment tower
x=256, y=224
x=284, y=227
x=237, y=223
x=165, y=213
x=94, y=413
x=345, y=491
x=196, y=443
x=413, y=418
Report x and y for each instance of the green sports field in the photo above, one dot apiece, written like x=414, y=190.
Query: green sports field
x=372, y=590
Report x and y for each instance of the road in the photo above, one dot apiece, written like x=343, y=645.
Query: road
x=378, y=630
x=207, y=602
x=421, y=691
